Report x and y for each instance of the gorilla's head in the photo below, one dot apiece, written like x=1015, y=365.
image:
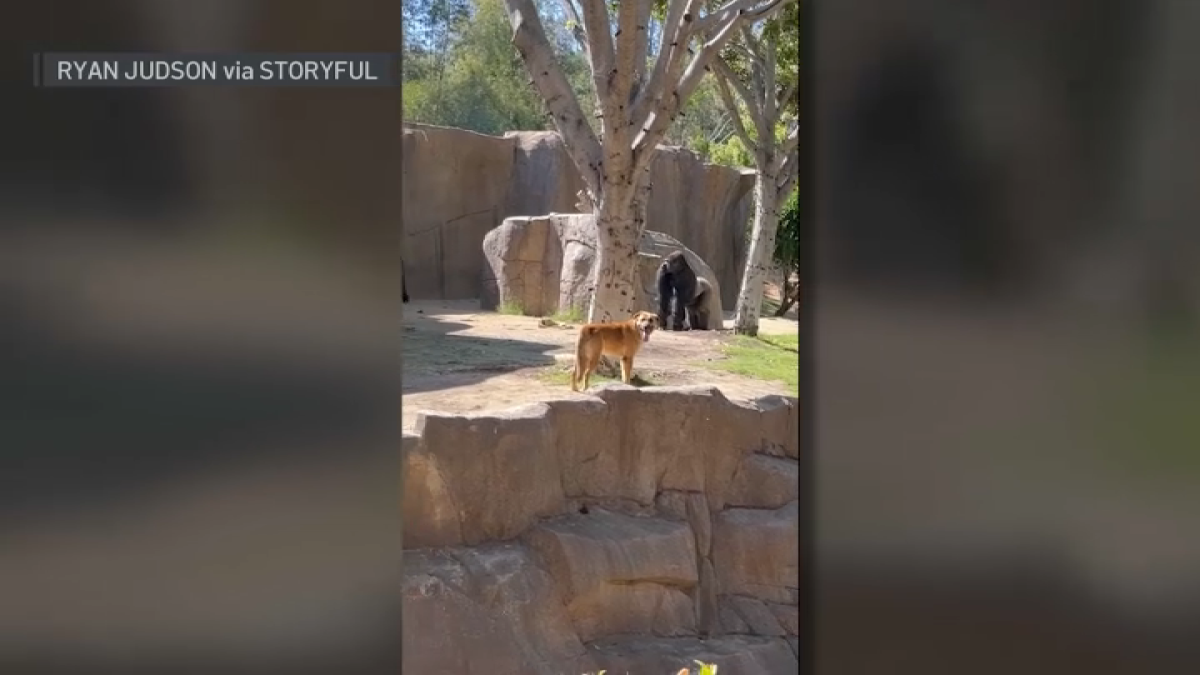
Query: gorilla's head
x=675, y=263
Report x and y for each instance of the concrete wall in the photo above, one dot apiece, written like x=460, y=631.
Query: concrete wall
x=458, y=185
x=575, y=535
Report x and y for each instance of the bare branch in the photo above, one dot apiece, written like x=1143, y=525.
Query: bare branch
x=738, y=9
x=577, y=30
x=529, y=37
x=722, y=72
x=789, y=163
x=767, y=80
x=660, y=120
x=632, y=18
x=786, y=95
x=749, y=41
x=766, y=11
x=676, y=35
x=786, y=181
x=600, y=47
x=726, y=74
x=791, y=141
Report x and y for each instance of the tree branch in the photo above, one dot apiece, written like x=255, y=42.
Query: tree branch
x=786, y=95
x=660, y=120
x=676, y=36
x=738, y=9
x=764, y=122
x=789, y=171
x=769, y=63
x=632, y=17
x=577, y=30
x=529, y=37
x=785, y=187
x=723, y=76
x=790, y=143
x=600, y=48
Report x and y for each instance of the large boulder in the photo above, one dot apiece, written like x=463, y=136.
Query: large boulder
x=757, y=553
x=620, y=574
x=521, y=258
x=458, y=185
x=651, y=250
x=545, y=264
x=537, y=540
x=486, y=609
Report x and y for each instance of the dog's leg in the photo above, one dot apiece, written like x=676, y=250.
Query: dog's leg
x=588, y=365
x=627, y=369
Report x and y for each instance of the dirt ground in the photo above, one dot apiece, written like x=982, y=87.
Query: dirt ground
x=459, y=359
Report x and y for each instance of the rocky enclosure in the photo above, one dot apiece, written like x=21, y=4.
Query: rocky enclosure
x=544, y=264
x=458, y=185
x=635, y=530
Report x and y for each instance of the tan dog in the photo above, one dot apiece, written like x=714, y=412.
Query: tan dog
x=621, y=338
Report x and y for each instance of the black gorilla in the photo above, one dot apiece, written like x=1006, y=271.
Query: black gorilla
x=677, y=281
x=697, y=311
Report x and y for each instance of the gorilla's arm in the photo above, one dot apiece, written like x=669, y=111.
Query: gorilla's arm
x=666, y=287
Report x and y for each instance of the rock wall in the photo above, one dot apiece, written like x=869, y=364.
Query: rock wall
x=458, y=185
x=575, y=535
x=544, y=264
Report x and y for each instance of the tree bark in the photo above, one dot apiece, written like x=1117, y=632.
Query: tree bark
x=789, y=295
x=776, y=164
x=758, y=258
x=636, y=110
x=620, y=221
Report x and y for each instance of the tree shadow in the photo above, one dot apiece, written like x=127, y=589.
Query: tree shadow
x=435, y=358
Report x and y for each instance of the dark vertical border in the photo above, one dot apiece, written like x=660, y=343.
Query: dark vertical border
x=37, y=69
x=398, y=64
x=805, y=314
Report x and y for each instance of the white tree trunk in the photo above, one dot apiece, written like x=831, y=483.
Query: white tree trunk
x=620, y=221
x=637, y=107
x=759, y=257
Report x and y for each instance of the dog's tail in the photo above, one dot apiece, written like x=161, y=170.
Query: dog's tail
x=577, y=371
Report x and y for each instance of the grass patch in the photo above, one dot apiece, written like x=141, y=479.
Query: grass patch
x=766, y=357
x=510, y=308
x=559, y=376
x=570, y=315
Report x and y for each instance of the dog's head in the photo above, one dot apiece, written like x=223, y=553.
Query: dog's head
x=647, y=323
x=675, y=262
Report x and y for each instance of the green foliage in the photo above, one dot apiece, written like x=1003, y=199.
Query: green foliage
x=474, y=79
x=787, y=238
x=461, y=70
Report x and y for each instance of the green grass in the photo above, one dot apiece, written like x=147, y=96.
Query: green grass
x=570, y=315
x=558, y=376
x=766, y=357
x=510, y=308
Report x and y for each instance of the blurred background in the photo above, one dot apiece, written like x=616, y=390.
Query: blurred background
x=199, y=378
x=1007, y=375
x=198, y=389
